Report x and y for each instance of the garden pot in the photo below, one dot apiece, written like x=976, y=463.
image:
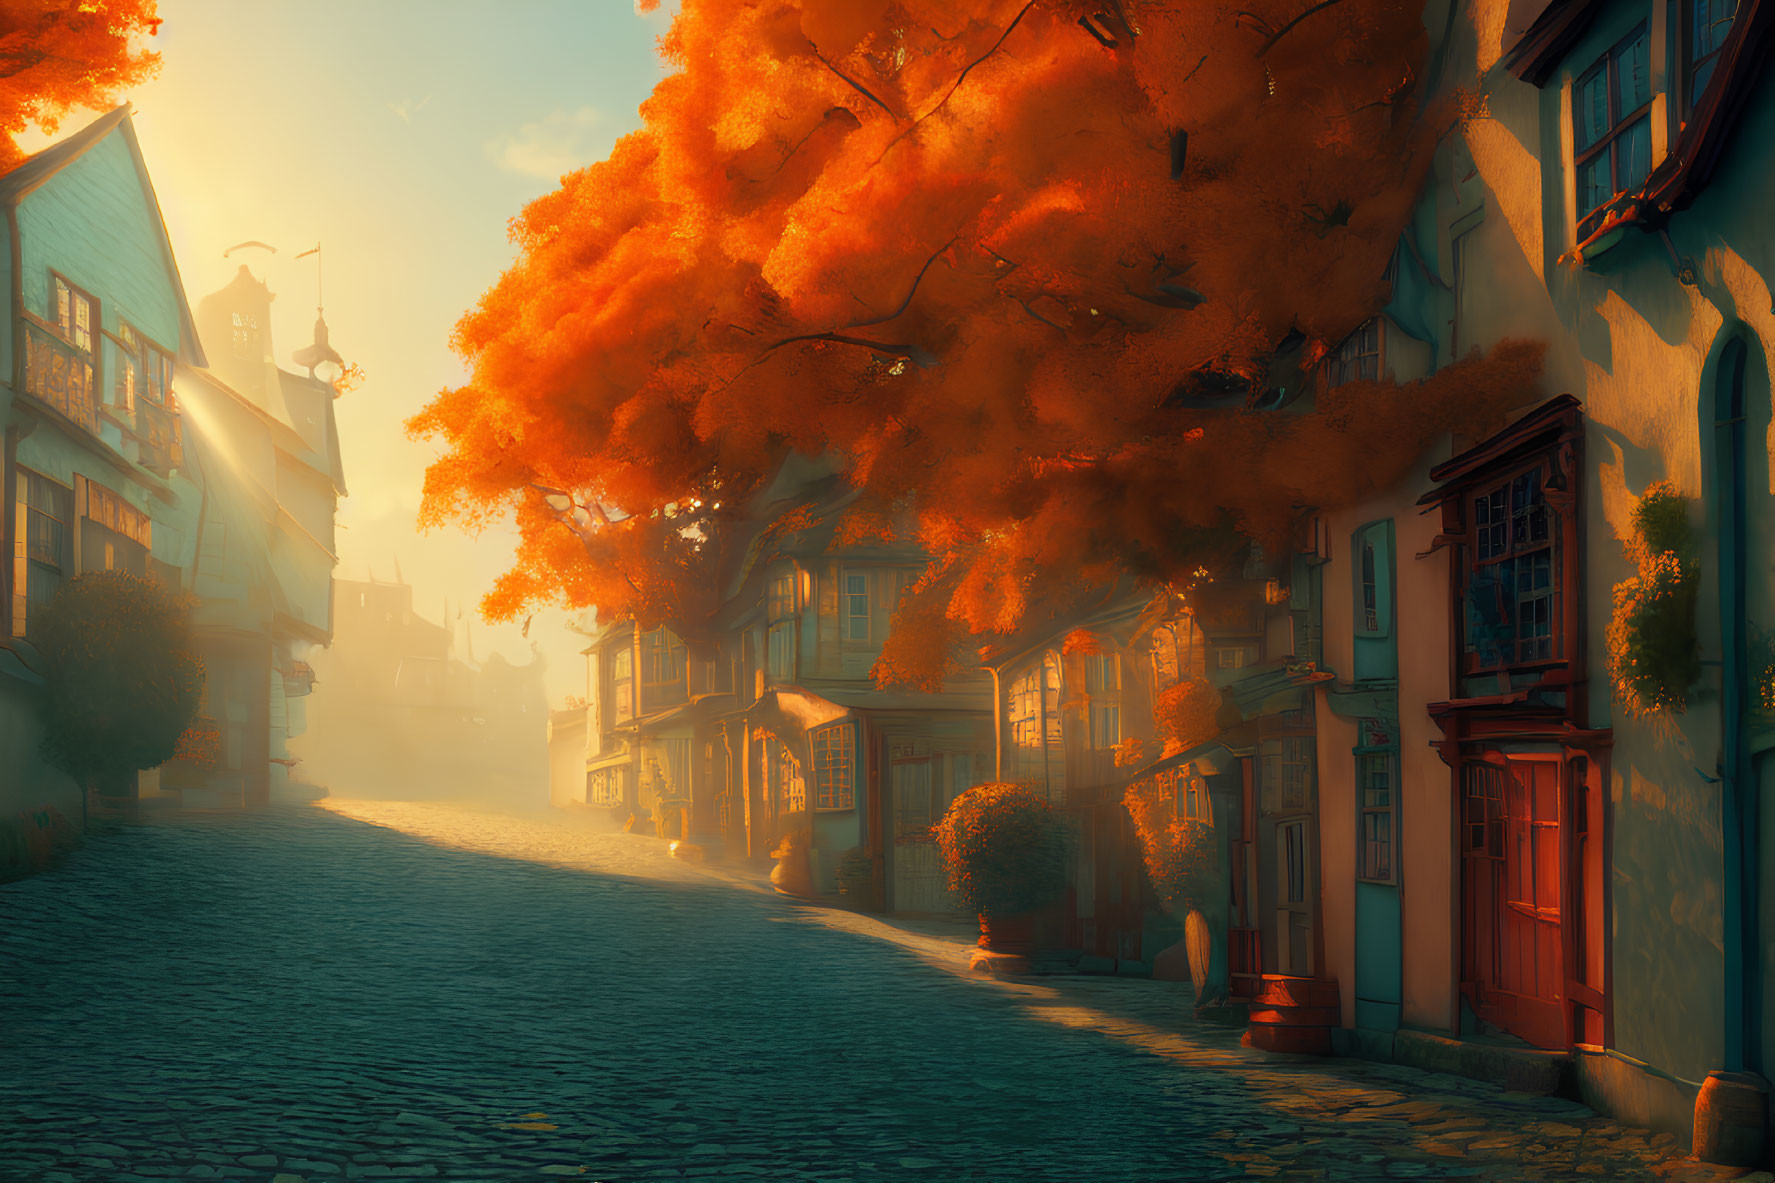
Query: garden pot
x=1200, y=943
x=1008, y=934
x=1731, y=1119
x=793, y=874
x=1006, y=943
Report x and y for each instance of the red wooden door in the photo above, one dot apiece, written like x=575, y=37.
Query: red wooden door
x=1512, y=854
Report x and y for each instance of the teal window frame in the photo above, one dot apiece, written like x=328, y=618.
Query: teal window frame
x=856, y=606
x=1617, y=126
x=1371, y=551
x=835, y=752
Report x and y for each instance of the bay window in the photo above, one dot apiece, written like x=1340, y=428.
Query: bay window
x=835, y=766
x=622, y=683
x=1512, y=600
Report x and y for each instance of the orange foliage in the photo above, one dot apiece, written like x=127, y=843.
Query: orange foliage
x=1182, y=855
x=56, y=55
x=1004, y=849
x=199, y=744
x=966, y=248
x=1185, y=715
x=920, y=650
x=349, y=379
x=1081, y=640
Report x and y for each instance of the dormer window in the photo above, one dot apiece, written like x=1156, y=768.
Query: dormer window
x=1612, y=126
x=1358, y=359
x=1705, y=25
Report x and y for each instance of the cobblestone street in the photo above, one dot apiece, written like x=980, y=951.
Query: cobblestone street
x=377, y=990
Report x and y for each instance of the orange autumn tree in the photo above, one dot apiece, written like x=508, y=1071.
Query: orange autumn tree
x=57, y=55
x=1030, y=268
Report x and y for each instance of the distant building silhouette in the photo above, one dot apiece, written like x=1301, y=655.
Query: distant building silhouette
x=409, y=714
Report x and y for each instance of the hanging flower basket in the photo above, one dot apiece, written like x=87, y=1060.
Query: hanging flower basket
x=1652, y=656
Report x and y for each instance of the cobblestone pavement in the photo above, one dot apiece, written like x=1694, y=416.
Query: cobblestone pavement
x=387, y=991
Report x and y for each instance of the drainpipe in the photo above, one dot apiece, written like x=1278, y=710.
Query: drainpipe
x=1743, y=1035
x=998, y=729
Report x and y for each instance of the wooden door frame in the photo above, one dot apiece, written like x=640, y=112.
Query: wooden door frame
x=1599, y=825
x=1566, y=942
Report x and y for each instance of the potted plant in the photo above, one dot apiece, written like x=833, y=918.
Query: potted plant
x=1652, y=657
x=1005, y=851
x=1182, y=857
x=793, y=875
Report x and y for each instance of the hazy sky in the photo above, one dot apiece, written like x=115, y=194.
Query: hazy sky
x=402, y=135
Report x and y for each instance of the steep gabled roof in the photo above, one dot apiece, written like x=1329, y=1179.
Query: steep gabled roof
x=35, y=171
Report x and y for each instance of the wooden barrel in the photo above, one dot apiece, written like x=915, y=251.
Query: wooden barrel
x=1731, y=1118
x=1293, y=1015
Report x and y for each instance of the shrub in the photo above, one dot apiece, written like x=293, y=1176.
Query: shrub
x=121, y=680
x=1652, y=658
x=1004, y=848
x=1182, y=855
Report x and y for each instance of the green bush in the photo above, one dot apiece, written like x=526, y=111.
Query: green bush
x=1652, y=657
x=122, y=681
x=1005, y=849
x=1661, y=521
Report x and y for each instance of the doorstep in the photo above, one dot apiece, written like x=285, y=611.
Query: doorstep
x=1516, y=1067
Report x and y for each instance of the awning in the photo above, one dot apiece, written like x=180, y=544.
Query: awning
x=1273, y=689
x=1365, y=702
x=1214, y=757
x=1211, y=758
x=610, y=760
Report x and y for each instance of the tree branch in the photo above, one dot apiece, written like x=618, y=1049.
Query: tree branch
x=917, y=355
x=906, y=303
x=1024, y=304
x=1278, y=34
x=962, y=77
x=855, y=86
